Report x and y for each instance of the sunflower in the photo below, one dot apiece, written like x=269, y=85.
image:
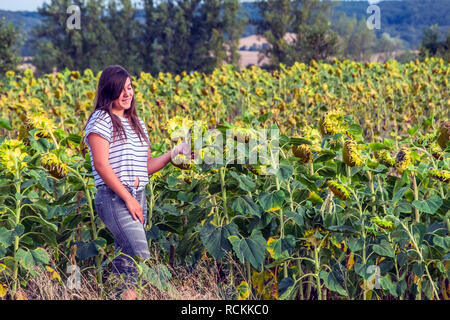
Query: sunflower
x=12, y=155
x=303, y=152
x=339, y=190
x=351, y=154
x=403, y=159
x=331, y=123
x=444, y=134
x=383, y=223
x=384, y=157
x=45, y=126
x=54, y=165
x=182, y=162
x=440, y=175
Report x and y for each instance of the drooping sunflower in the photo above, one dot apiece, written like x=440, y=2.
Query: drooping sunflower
x=331, y=123
x=444, y=134
x=12, y=155
x=403, y=159
x=54, y=165
x=384, y=157
x=339, y=190
x=182, y=162
x=303, y=152
x=350, y=154
x=440, y=175
x=383, y=223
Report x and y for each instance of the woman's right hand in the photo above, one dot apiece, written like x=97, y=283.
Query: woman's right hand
x=135, y=209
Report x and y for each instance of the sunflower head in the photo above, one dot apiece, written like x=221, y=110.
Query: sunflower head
x=383, y=223
x=440, y=175
x=54, y=165
x=339, y=190
x=444, y=134
x=331, y=123
x=303, y=152
x=384, y=157
x=403, y=159
x=44, y=125
x=12, y=155
x=350, y=154
x=182, y=162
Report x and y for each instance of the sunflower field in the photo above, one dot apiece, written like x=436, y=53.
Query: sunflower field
x=358, y=206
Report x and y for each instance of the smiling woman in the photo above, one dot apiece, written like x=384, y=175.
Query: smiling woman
x=121, y=163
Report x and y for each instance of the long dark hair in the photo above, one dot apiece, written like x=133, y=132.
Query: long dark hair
x=110, y=86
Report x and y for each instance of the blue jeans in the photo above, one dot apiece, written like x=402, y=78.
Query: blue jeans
x=129, y=234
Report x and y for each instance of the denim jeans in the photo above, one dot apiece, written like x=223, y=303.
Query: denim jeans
x=129, y=235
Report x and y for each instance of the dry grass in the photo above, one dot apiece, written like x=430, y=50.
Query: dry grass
x=200, y=283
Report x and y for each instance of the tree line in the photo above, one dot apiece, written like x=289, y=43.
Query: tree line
x=191, y=35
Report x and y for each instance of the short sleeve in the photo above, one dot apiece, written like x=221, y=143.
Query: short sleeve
x=101, y=124
x=144, y=127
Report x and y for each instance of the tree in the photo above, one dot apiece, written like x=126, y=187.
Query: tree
x=9, y=47
x=57, y=46
x=431, y=46
x=122, y=23
x=233, y=26
x=307, y=20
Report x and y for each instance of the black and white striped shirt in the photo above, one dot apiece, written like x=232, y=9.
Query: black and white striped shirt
x=128, y=159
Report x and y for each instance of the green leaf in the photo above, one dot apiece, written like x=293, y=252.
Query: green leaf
x=297, y=216
x=25, y=258
x=252, y=249
x=355, y=129
x=245, y=183
x=399, y=194
x=376, y=146
x=428, y=206
x=286, y=288
x=334, y=280
x=355, y=245
x=387, y=284
x=285, y=172
x=443, y=242
x=282, y=248
x=384, y=249
x=271, y=201
x=40, y=256
x=325, y=156
x=246, y=205
x=215, y=239
x=4, y=123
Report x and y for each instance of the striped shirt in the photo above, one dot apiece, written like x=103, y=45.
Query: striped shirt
x=128, y=159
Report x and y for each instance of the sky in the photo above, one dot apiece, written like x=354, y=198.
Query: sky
x=32, y=5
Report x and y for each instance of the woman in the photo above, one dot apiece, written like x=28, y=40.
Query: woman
x=121, y=163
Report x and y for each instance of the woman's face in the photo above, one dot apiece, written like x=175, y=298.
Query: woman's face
x=124, y=101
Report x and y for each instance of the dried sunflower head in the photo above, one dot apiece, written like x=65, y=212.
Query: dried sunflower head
x=45, y=126
x=54, y=165
x=383, y=223
x=303, y=152
x=339, y=190
x=440, y=175
x=384, y=157
x=350, y=154
x=444, y=134
x=403, y=159
x=331, y=123
x=182, y=162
